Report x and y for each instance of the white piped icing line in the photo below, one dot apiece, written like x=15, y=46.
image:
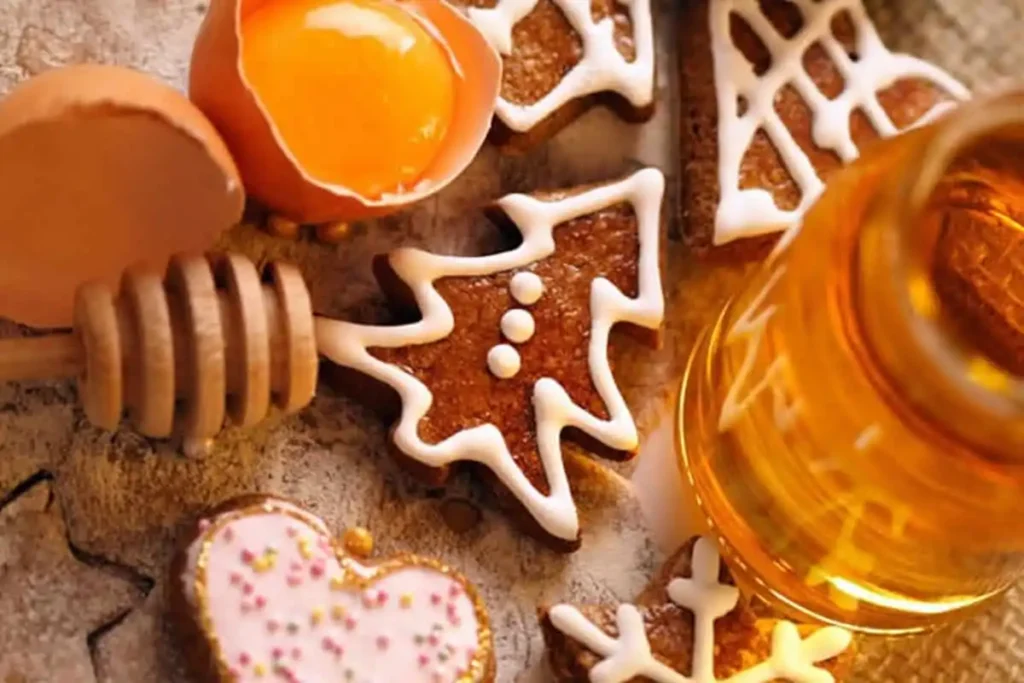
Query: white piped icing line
x=518, y=326
x=503, y=361
x=348, y=344
x=527, y=288
x=752, y=212
x=602, y=67
x=629, y=656
x=750, y=330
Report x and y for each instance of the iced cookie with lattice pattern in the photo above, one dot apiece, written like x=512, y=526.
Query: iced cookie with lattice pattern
x=563, y=56
x=689, y=626
x=778, y=94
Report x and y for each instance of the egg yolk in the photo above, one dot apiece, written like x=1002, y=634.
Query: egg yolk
x=360, y=92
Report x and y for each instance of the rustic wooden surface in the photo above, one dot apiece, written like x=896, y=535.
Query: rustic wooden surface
x=88, y=520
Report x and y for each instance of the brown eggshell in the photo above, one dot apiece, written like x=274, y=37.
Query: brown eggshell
x=218, y=86
x=102, y=168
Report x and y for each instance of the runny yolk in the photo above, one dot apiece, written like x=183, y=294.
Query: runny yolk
x=361, y=93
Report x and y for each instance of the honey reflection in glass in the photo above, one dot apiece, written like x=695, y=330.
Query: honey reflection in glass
x=853, y=423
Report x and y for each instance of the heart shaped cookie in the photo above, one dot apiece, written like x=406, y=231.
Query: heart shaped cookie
x=270, y=596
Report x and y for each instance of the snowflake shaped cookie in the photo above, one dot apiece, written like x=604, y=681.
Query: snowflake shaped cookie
x=512, y=349
x=688, y=627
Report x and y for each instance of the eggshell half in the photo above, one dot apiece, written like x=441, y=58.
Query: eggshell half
x=102, y=168
x=272, y=175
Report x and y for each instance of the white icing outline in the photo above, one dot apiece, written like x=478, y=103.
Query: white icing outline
x=602, y=67
x=629, y=656
x=347, y=344
x=753, y=212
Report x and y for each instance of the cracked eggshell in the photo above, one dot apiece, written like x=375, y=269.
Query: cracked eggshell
x=102, y=168
x=218, y=86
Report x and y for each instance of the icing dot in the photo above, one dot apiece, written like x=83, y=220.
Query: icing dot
x=526, y=288
x=503, y=361
x=518, y=326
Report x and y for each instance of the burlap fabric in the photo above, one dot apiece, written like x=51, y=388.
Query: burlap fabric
x=88, y=521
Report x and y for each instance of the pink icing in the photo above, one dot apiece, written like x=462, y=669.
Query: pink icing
x=279, y=611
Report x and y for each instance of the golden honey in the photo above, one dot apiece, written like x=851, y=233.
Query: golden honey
x=853, y=423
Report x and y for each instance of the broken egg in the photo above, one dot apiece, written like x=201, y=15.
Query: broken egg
x=102, y=168
x=341, y=109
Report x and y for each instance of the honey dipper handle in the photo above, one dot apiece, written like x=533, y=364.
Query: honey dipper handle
x=55, y=356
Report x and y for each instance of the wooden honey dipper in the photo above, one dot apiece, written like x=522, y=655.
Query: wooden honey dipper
x=213, y=340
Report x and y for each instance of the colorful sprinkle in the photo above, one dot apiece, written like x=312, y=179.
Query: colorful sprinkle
x=382, y=597
x=435, y=598
x=423, y=661
x=248, y=556
x=293, y=627
x=248, y=589
x=369, y=599
x=442, y=657
x=455, y=591
x=277, y=653
x=405, y=601
x=229, y=534
x=337, y=612
x=294, y=580
x=383, y=642
x=296, y=653
x=261, y=602
x=350, y=623
x=272, y=625
x=349, y=674
x=235, y=578
x=244, y=659
x=418, y=639
x=259, y=670
x=433, y=640
x=292, y=532
x=305, y=549
x=317, y=616
x=317, y=570
x=337, y=583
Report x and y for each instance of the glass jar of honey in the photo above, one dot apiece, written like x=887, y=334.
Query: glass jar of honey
x=852, y=425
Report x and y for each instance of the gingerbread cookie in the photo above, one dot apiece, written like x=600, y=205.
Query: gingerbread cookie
x=512, y=349
x=562, y=57
x=268, y=595
x=778, y=94
x=689, y=627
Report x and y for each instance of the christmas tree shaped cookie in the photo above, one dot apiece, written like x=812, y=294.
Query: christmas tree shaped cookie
x=778, y=94
x=689, y=627
x=511, y=350
x=563, y=56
